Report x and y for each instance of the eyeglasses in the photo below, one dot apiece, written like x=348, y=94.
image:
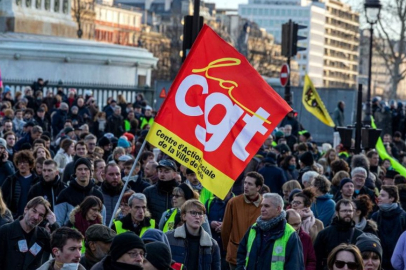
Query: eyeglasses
x=136, y=254
x=177, y=196
x=23, y=162
x=195, y=213
x=296, y=202
x=350, y=265
x=346, y=211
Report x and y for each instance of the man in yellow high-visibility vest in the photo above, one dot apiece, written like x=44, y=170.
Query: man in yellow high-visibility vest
x=138, y=220
x=271, y=243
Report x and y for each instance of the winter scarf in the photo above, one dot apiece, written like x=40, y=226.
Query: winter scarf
x=386, y=207
x=266, y=225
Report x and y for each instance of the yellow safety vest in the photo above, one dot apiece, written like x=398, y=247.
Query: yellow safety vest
x=279, y=247
x=205, y=195
x=170, y=223
x=145, y=122
x=120, y=229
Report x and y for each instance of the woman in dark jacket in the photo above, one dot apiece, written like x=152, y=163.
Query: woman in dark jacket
x=86, y=214
x=190, y=244
x=391, y=220
x=5, y=214
x=363, y=206
x=289, y=168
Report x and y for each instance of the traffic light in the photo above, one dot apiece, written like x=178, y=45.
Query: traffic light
x=296, y=38
x=290, y=38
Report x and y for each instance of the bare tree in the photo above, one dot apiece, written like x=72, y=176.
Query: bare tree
x=391, y=32
x=82, y=11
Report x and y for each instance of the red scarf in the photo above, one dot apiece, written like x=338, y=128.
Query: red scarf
x=81, y=224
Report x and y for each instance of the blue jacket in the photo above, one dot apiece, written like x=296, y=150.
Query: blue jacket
x=324, y=208
x=26, y=139
x=391, y=225
x=260, y=257
x=274, y=178
x=209, y=255
x=398, y=259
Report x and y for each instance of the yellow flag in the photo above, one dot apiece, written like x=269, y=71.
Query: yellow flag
x=313, y=103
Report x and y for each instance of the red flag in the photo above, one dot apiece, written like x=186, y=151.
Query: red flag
x=217, y=114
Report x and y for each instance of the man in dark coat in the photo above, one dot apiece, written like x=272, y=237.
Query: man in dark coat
x=6, y=166
x=341, y=230
x=115, y=123
x=16, y=187
x=274, y=177
x=59, y=118
x=159, y=196
x=23, y=242
x=30, y=137
x=291, y=120
x=78, y=189
x=49, y=185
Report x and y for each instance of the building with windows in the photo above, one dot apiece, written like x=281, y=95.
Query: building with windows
x=330, y=39
x=43, y=17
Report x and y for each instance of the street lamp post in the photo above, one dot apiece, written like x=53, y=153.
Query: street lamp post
x=372, y=11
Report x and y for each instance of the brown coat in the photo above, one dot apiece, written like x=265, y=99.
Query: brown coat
x=240, y=214
x=315, y=229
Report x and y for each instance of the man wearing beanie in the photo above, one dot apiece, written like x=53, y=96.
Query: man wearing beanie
x=105, y=144
x=159, y=196
x=371, y=251
x=158, y=257
x=306, y=161
x=77, y=191
x=127, y=251
x=346, y=189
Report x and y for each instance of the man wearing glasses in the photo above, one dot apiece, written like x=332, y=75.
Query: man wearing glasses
x=341, y=230
x=127, y=251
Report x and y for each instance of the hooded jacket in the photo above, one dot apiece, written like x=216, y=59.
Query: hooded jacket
x=391, y=225
x=338, y=232
x=48, y=190
x=324, y=208
x=73, y=196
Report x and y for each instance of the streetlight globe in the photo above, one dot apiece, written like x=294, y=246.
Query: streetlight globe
x=372, y=10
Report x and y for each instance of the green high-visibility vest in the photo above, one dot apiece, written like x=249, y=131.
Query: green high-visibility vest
x=145, y=122
x=120, y=229
x=205, y=195
x=170, y=223
x=279, y=247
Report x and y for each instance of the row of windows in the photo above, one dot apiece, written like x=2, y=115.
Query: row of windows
x=271, y=11
x=277, y=23
x=47, y=4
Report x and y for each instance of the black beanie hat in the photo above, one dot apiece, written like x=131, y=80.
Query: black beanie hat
x=159, y=255
x=83, y=161
x=369, y=242
x=307, y=159
x=125, y=242
x=345, y=181
x=104, y=141
x=187, y=190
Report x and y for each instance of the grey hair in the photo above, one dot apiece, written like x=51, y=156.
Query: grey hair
x=357, y=170
x=275, y=198
x=308, y=176
x=63, y=106
x=138, y=196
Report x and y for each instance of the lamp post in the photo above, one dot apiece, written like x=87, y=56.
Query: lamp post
x=372, y=11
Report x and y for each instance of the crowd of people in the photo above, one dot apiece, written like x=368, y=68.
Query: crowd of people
x=64, y=164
